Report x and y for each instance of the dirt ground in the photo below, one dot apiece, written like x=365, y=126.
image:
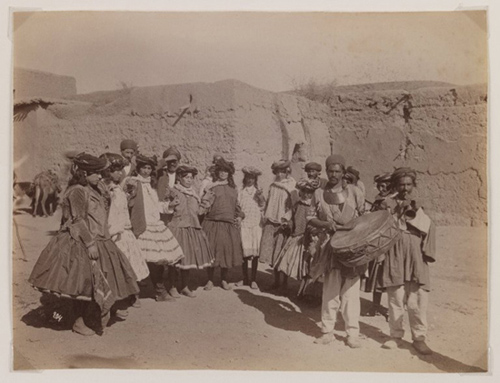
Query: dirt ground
x=246, y=329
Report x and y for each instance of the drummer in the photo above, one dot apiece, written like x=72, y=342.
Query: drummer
x=406, y=266
x=332, y=208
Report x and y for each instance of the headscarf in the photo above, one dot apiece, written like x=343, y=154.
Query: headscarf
x=280, y=165
x=403, y=172
x=185, y=169
x=224, y=165
x=90, y=163
x=128, y=144
x=384, y=177
x=313, y=166
x=142, y=160
x=250, y=170
x=335, y=159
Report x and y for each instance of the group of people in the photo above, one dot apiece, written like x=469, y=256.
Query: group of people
x=128, y=218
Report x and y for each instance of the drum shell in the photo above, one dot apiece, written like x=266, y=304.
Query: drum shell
x=370, y=248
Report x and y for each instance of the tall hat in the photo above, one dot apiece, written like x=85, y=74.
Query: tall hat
x=128, y=144
x=335, y=159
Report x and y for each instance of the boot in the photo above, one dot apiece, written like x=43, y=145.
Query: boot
x=80, y=328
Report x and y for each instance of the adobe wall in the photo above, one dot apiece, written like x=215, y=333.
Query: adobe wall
x=443, y=137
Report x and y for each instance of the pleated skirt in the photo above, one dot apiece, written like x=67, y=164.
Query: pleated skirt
x=158, y=245
x=64, y=269
x=225, y=242
x=195, y=247
x=291, y=258
x=273, y=240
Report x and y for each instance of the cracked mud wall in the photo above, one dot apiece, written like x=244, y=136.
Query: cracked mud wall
x=439, y=131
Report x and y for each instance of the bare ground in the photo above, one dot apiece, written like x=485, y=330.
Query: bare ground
x=253, y=330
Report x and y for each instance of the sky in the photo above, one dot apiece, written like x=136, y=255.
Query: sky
x=273, y=51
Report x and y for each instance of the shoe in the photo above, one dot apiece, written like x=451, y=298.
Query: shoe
x=209, y=286
x=188, y=293
x=353, y=342
x=174, y=293
x=137, y=303
x=254, y=285
x=80, y=328
x=164, y=297
x=240, y=283
x=226, y=286
x=422, y=347
x=326, y=338
x=393, y=344
x=121, y=314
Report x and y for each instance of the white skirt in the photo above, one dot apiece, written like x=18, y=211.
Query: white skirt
x=250, y=238
x=158, y=245
x=129, y=246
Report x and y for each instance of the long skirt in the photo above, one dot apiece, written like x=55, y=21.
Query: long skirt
x=158, y=245
x=128, y=244
x=225, y=242
x=291, y=258
x=195, y=246
x=64, y=269
x=273, y=240
x=251, y=237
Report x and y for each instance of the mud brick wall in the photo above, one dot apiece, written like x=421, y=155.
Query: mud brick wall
x=441, y=132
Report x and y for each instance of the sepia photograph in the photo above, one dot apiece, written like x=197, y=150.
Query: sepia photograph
x=255, y=191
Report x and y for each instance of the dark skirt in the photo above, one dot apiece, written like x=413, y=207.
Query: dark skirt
x=273, y=240
x=195, y=247
x=224, y=239
x=64, y=269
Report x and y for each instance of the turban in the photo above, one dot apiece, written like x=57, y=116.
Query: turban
x=116, y=161
x=185, y=169
x=335, y=159
x=172, y=154
x=384, y=177
x=313, y=166
x=128, y=144
x=307, y=185
x=280, y=165
x=142, y=160
x=225, y=166
x=89, y=163
x=250, y=170
x=403, y=172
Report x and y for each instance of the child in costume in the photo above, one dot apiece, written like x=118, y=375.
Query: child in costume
x=252, y=203
x=157, y=243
